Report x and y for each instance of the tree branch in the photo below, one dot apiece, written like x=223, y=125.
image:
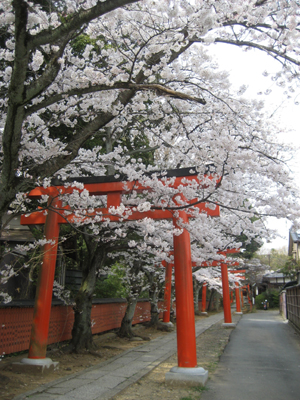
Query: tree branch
x=76, y=20
x=159, y=89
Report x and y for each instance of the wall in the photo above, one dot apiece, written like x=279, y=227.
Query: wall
x=282, y=304
x=107, y=314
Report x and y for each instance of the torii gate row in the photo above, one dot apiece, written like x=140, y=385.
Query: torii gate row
x=186, y=337
x=225, y=286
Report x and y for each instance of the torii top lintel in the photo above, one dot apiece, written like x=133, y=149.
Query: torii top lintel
x=102, y=185
x=229, y=251
x=113, y=188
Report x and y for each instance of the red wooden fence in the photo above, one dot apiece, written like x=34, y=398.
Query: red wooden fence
x=15, y=322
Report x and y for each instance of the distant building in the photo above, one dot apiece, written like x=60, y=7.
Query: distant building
x=294, y=245
x=19, y=286
x=15, y=233
x=275, y=280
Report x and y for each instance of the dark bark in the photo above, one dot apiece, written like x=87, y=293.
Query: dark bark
x=217, y=300
x=82, y=338
x=153, y=297
x=214, y=301
x=210, y=302
x=172, y=312
x=126, y=325
x=196, y=288
x=135, y=290
x=154, y=310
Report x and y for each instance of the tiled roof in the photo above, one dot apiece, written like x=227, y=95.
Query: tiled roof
x=275, y=275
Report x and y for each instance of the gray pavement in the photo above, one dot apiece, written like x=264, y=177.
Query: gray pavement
x=105, y=380
x=261, y=361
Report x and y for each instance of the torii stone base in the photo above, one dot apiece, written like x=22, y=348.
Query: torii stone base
x=186, y=376
x=228, y=325
x=166, y=326
x=35, y=366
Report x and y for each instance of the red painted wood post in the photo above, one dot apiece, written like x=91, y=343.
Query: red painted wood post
x=167, y=294
x=185, y=319
x=249, y=297
x=204, y=287
x=237, y=298
x=43, y=299
x=242, y=296
x=226, y=297
x=113, y=200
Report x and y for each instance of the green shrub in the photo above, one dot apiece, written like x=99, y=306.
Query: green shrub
x=273, y=298
x=259, y=299
x=112, y=286
x=271, y=295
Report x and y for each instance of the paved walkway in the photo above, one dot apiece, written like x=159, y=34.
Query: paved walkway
x=103, y=381
x=261, y=361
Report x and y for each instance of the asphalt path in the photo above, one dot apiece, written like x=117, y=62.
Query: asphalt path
x=261, y=361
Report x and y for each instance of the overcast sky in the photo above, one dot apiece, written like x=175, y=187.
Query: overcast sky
x=246, y=68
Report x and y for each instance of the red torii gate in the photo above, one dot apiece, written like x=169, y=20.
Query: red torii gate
x=225, y=286
x=186, y=338
x=240, y=274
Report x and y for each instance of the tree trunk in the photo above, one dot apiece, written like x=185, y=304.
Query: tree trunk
x=82, y=338
x=172, y=312
x=217, y=300
x=154, y=313
x=153, y=297
x=196, y=287
x=136, y=287
x=154, y=310
x=210, y=303
x=126, y=325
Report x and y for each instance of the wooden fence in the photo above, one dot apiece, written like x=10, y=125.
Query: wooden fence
x=290, y=304
x=107, y=314
x=293, y=305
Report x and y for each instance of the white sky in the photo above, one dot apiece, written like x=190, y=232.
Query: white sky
x=246, y=68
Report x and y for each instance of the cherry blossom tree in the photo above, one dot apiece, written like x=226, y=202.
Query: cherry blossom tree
x=82, y=80
x=141, y=56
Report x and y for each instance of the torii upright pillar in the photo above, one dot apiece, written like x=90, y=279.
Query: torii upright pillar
x=203, y=305
x=249, y=298
x=226, y=298
x=43, y=299
x=187, y=370
x=237, y=299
